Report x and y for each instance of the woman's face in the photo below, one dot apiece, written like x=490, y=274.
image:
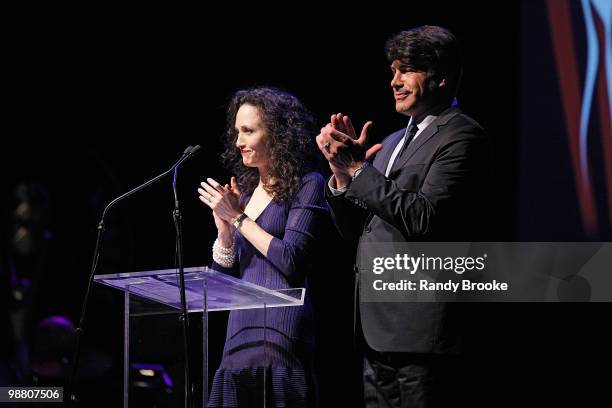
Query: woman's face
x=252, y=137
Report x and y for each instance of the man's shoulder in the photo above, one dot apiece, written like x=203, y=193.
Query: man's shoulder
x=454, y=125
x=456, y=118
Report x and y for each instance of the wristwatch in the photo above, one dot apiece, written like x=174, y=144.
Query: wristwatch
x=236, y=223
x=360, y=169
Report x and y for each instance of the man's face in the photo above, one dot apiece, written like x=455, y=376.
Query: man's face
x=413, y=90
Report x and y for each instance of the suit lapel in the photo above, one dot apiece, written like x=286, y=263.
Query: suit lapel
x=425, y=136
x=382, y=160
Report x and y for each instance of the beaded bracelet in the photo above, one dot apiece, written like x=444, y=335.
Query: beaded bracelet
x=223, y=256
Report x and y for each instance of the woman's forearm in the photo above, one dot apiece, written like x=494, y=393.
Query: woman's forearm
x=256, y=235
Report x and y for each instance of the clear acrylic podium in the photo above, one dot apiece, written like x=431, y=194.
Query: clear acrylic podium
x=153, y=296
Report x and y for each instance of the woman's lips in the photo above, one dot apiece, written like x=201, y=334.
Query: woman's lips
x=244, y=151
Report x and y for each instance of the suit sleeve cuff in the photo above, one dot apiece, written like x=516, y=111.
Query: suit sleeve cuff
x=335, y=191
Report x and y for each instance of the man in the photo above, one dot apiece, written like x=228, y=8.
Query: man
x=425, y=184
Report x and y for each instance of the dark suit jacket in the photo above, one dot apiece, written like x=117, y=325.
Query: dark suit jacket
x=434, y=193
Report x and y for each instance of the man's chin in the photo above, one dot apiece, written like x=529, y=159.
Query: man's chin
x=408, y=108
x=399, y=108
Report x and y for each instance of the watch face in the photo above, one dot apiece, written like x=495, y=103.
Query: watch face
x=239, y=220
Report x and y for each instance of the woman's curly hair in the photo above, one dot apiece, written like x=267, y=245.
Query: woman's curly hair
x=290, y=128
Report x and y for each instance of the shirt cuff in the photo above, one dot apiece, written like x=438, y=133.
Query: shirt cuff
x=335, y=191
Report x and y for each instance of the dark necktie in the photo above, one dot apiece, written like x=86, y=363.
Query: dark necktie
x=412, y=131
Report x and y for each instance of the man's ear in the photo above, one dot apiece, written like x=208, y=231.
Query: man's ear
x=437, y=83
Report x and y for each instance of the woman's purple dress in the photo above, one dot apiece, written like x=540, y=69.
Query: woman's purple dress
x=288, y=355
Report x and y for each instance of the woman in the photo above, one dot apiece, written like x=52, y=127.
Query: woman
x=272, y=243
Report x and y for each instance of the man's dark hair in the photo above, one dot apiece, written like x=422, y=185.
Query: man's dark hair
x=429, y=49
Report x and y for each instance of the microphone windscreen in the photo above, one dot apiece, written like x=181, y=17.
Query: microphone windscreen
x=195, y=149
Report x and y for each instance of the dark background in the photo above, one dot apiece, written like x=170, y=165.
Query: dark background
x=100, y=100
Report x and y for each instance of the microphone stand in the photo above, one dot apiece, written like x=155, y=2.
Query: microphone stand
x=188, y=153
x=177, y=217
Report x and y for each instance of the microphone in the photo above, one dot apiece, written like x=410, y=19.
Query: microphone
x=187, y=154
x=187, y=150
x=194, y=150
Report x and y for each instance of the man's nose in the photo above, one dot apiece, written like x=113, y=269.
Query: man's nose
x=395, y=81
